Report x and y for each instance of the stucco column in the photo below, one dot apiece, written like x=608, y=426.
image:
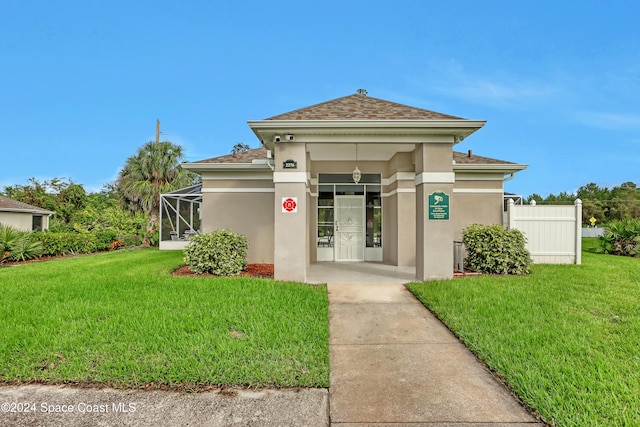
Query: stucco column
x=290, y=228
x=434, y=225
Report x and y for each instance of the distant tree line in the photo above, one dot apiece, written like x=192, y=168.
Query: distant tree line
x=602, y=203
x=129, y=206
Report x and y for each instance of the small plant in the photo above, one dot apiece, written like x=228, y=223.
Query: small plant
x=221, y=252
x=16, y=245
x=494, y=250
x=622, y=238
x=116, y=244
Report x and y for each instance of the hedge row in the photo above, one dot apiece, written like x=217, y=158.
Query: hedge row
x=82, y=243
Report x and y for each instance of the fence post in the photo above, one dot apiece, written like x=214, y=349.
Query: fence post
x=578, y=204
x=510, y=215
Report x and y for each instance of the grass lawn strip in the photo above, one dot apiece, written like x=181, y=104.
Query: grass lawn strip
x=122, y=319
x=565, y=338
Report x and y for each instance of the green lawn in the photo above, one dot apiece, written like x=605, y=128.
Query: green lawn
x=565, y=338
x=122, y=319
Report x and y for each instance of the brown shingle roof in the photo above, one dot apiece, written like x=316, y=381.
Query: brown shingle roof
x=472, y=159
x=261, y=153
x=242, y=157
x=362, y=107
x=7, y=204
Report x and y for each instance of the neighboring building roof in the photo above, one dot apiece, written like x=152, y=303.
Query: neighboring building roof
x=362, y=107
x=11, y=205
x=261, y=153
x=242, y=157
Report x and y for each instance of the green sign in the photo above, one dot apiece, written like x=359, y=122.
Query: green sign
x=439, y=206
x=289, y=164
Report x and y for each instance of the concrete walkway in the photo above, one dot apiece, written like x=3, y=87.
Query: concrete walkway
x=394, y=364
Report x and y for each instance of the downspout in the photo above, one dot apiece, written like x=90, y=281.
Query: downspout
x=269, y=156
x=508, y=178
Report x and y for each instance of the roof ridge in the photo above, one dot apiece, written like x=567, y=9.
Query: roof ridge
x=362, y=107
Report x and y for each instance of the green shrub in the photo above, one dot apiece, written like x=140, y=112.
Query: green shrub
x=17, y=245
x=622, y=238
x=131, y=239
x=67, y=243
x=104, y=239
x=494, y=250
x=63, y=243
x=221, y=252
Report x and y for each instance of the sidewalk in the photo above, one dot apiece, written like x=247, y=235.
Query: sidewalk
x=65, y=406
x=394, y=364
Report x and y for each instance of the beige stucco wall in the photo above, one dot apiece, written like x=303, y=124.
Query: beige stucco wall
x=434, y=238
x=400, y=162
x=312, y=227
x=19, y=220
x=291, y=229
x=475, y=198
x=347, y=167
x=476, y=202
x=250, y=214
x=389, y=231
x=239, y=183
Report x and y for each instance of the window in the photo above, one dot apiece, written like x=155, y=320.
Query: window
x=36, y=222
x=325, y=216
x=374, y=216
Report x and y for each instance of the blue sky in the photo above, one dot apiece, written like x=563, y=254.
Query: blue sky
x=83, y=82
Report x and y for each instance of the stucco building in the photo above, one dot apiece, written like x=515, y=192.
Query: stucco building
x=353, y=179
x=23, y=216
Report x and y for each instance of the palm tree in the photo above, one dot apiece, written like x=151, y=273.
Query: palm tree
x=153, y=170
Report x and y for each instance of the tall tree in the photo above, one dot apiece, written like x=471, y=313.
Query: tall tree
x=153, y=170
x=240, y=147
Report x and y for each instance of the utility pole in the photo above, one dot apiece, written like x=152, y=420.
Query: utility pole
x=157, y=131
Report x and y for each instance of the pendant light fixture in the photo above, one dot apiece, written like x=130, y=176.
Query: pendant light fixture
x=356, y=174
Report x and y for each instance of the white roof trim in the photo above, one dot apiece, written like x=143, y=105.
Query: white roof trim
x=31, y=211
x=497, y=167
x=366, y=124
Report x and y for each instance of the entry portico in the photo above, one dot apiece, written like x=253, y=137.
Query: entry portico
x=354, y=179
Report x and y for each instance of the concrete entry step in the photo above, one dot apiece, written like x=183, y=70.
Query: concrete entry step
x=359, y=272
x=394, y=363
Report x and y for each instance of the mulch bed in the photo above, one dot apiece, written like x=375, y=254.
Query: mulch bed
x=252, y=270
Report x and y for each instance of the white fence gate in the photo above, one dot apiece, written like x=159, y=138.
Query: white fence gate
x=553, y=232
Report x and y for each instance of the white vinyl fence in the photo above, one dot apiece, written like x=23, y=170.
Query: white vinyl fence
x=553, y=232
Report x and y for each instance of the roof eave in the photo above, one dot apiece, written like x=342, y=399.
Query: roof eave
x=265, y=130
x=498, y=167
x=32, y=211
x=225, y=166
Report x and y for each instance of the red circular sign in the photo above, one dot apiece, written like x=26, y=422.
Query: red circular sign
x=289, y=204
